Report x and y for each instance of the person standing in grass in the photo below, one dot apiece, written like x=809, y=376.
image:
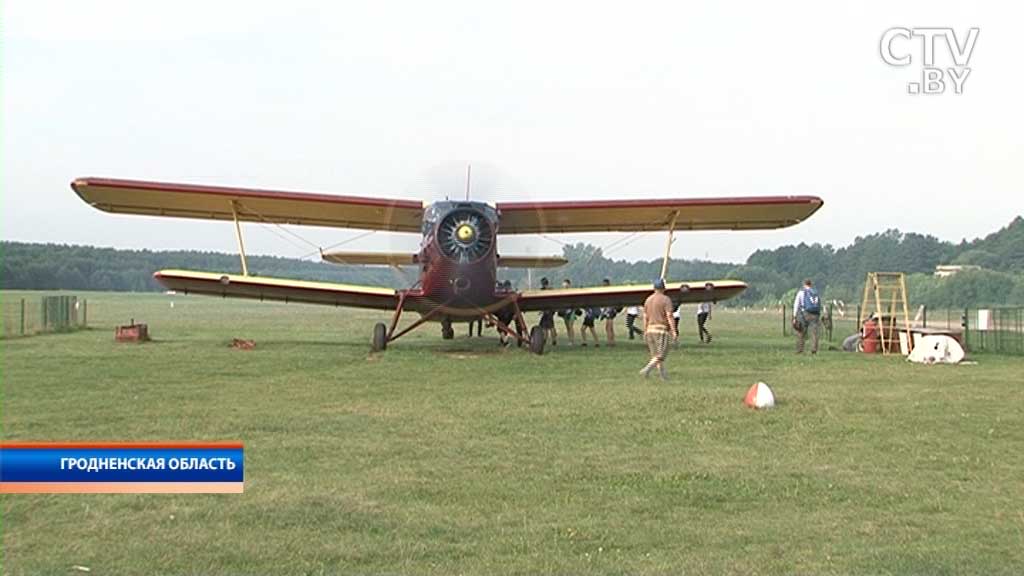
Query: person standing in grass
x=631, y=315
x=703, y=314
x=568, y=315
x=609, y=315
x=807, y=316
x=659, y=329
x=479, y=322
x=590, y=315
x=547, y=318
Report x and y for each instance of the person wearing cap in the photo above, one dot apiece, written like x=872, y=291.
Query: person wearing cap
x=659, y=329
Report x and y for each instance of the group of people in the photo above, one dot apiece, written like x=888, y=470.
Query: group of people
x=590, y=316
x=661, y=322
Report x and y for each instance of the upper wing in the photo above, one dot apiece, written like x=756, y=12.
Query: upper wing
x=220, y=203
x=617, y=296
x=750, y=213
x=281, y=289
x=411, y=259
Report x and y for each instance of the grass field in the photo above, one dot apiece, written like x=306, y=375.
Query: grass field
x=459, y=458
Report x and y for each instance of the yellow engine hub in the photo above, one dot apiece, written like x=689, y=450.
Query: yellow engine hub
x=465, y=233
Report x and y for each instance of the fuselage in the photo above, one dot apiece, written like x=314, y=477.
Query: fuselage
x=458, y=258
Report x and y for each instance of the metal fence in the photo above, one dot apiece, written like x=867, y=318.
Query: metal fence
x=998, y=330
x=30, y=316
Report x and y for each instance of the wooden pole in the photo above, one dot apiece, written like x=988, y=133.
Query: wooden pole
x=238, y=235
x=668, y=244
x=906, y=313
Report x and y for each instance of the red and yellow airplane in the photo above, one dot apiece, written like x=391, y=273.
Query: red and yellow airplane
x=458, y=256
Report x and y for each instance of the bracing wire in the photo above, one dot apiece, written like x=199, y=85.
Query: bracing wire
x=270, y=225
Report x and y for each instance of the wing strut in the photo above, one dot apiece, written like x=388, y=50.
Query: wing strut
x=668, y=245
x=238, y=235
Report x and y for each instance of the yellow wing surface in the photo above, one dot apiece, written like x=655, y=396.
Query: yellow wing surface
x=411, y=259
x=618, y=296
x=278, y=289
x=250, y=205
x=749, y=213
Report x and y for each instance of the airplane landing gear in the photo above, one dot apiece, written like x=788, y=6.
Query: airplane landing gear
x=447, y=332
x=380, y=337
x=537, y=340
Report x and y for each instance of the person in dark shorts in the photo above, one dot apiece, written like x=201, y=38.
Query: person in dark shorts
x=547, y=318
x=632, y=313
x=590, y=315
x=479, y=322
x=506, y=316
x=703, y=314
x=609, y=315
x=569, y=315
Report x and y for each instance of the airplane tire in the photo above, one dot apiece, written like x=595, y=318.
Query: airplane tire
x=380, y=337
x=537, y=340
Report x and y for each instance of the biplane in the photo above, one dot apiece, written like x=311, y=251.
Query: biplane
x=458, y=256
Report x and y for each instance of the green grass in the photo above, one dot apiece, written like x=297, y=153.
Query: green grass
x=457, y=457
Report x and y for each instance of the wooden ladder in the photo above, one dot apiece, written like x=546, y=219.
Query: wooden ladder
x=885, y=296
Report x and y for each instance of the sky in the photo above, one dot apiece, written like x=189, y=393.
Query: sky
x=547, y=101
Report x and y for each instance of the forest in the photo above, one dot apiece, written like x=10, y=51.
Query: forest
x=773, y=275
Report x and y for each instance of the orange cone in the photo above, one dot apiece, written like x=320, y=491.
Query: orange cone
x=759, y=396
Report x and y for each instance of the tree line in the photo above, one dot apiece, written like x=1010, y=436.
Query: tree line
x=772, y=275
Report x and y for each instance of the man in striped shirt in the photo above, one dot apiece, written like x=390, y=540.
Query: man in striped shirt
x=659, y=329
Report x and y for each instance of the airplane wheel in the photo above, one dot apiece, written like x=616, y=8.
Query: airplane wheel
x=448, y=333
x=380, y=337
x=537, y=340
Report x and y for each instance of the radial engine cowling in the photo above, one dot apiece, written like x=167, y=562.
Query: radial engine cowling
x=465, y=236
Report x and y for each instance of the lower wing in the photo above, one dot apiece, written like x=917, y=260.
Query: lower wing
x=618, y=296
x=278, y=289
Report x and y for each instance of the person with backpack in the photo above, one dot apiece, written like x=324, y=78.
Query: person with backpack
x=807, y=316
